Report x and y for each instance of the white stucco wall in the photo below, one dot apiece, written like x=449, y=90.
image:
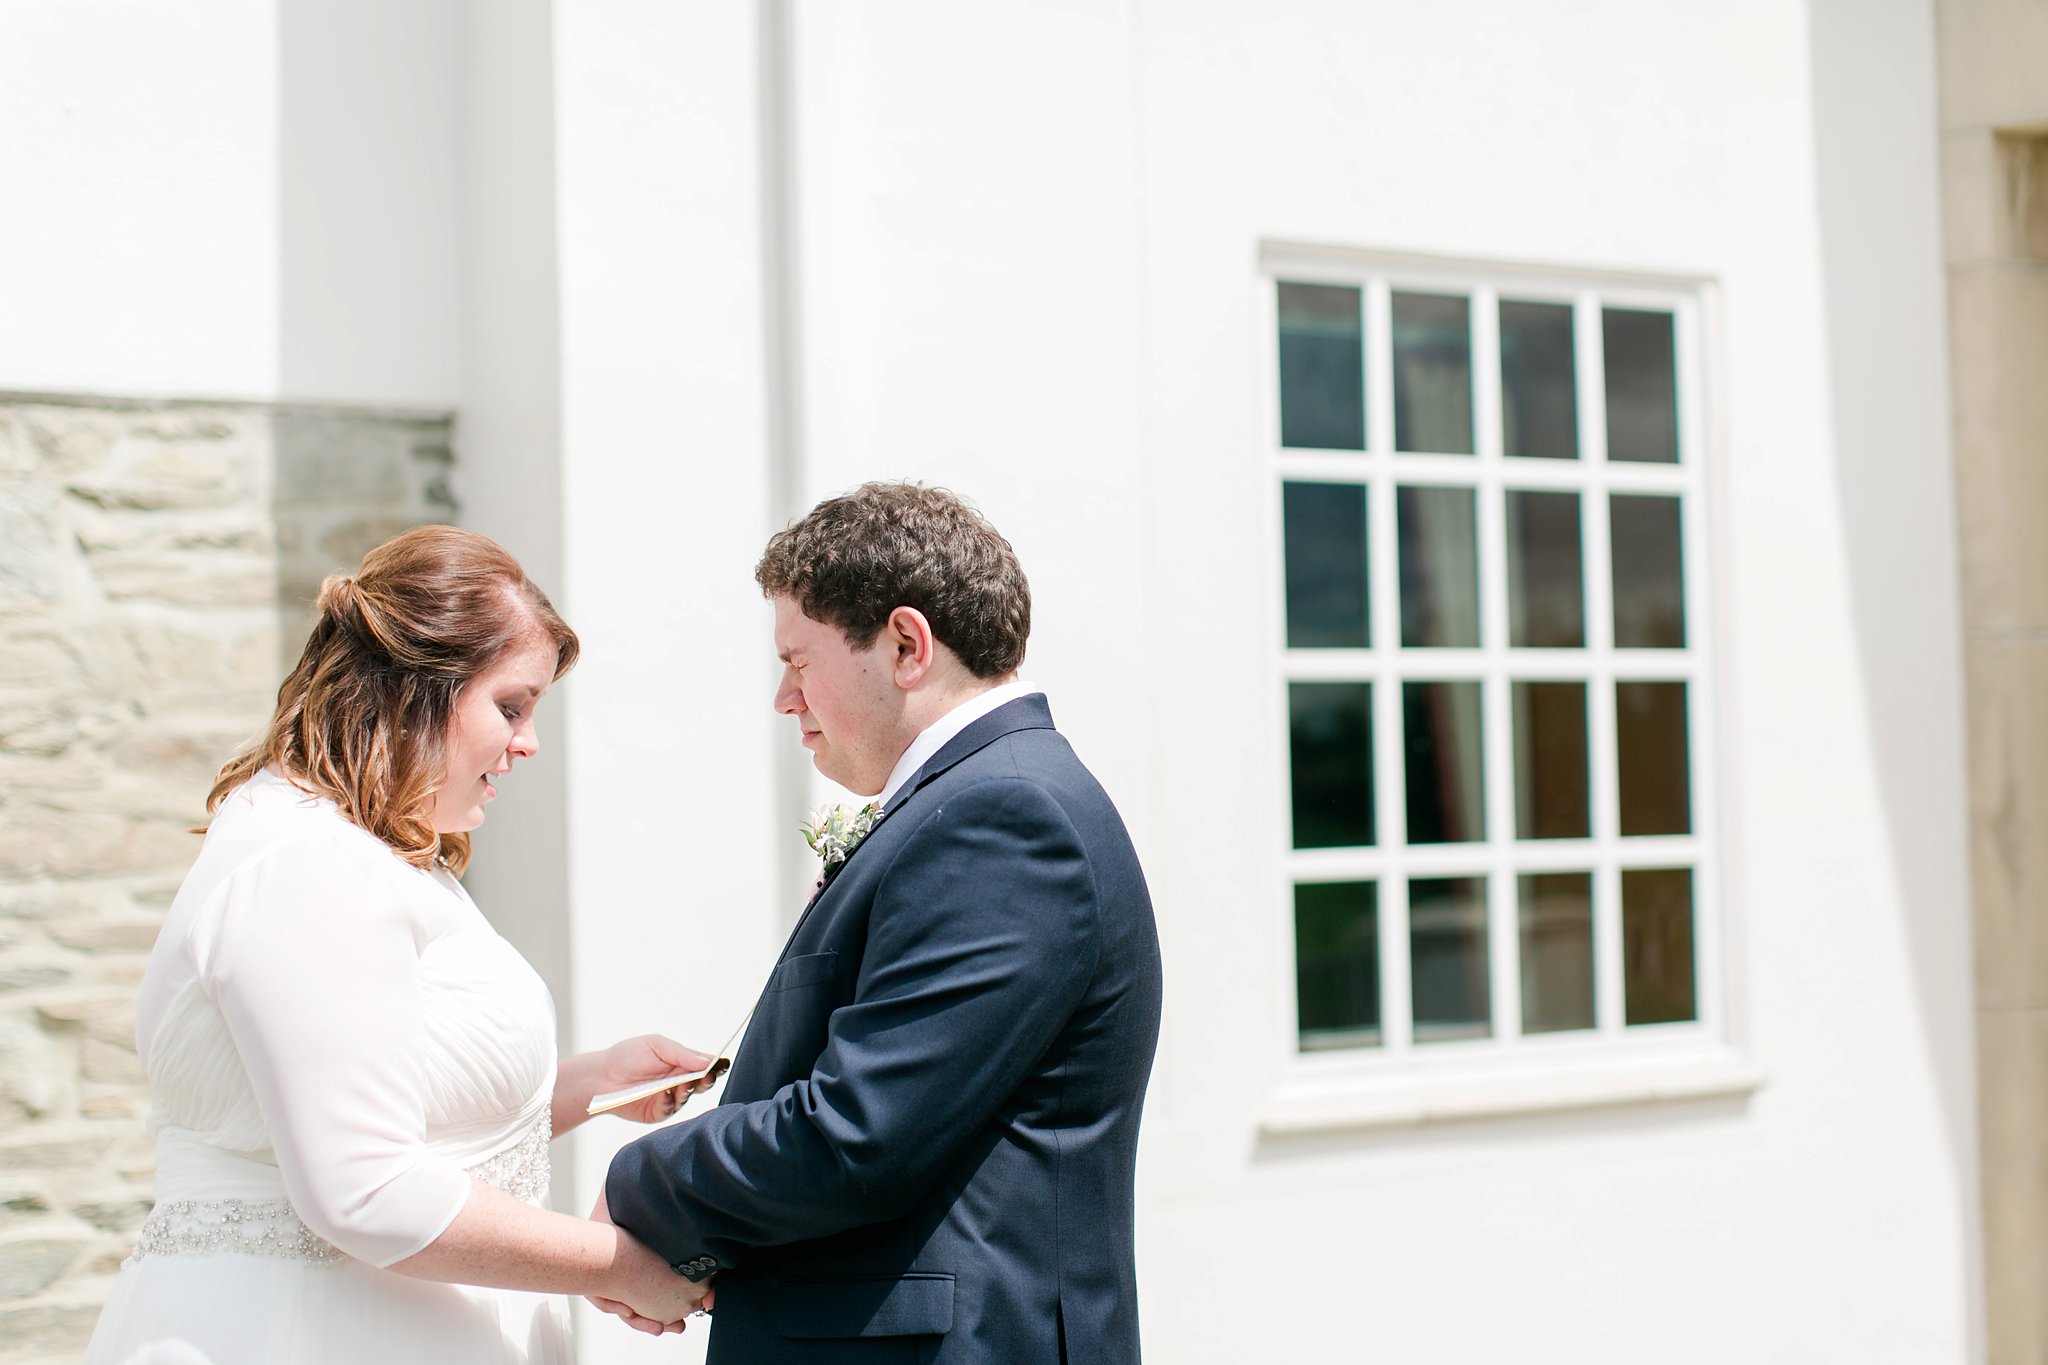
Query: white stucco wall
x=240, y=199
x=1026, y=239
x=1024, y=242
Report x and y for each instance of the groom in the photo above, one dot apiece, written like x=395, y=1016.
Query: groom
x=926, y=1147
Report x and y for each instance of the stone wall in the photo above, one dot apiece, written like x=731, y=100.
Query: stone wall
x=157, y=566
x=1994, y=153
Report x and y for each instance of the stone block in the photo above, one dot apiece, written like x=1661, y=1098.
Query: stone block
x=62, y=1326
x=154, y=897
x=45, y=901
x=325, y=457
x=28, y=976
x=33, y=657
x=1991, y=55
x=345, y=543
x=114, y=1210
x=125, y=1103
x=17, y=455
x=116, y=1029
x=224, y=580
x=29, y=1265
x=135, y=934
x=54, y=725
x=50, y=842
x=1971, y=224
x=80, y=1011
x=110, y=1063
x=75, y=775
x=46, y=842
x=54, y=1148
x=2023, y=165
x=142, y=474
x=2013, y=1046
x=237, y=530
x=31, y=547
x=72, y=440
x=31, y=1070
x=179, y=752
x=107, y=1260
x=164, y=655
x=21, y=1200
x=135, y=1157
x=192, y=426
x=1998, y=346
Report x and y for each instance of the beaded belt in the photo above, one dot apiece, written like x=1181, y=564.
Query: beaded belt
x=270, y=1227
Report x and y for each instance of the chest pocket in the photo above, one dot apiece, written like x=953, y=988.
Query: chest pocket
x=812, y=969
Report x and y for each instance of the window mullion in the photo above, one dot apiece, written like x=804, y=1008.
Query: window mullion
x=1504, y=977
x=1384, y=554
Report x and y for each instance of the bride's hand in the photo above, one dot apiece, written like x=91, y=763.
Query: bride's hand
x=646, y=1294
x=634, y=1061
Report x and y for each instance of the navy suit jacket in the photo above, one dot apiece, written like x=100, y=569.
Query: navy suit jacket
x=927, y=1145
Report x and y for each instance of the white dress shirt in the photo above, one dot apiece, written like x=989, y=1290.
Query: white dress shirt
x=936, y=734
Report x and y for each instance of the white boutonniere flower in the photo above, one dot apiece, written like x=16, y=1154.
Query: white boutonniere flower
x=835, y=831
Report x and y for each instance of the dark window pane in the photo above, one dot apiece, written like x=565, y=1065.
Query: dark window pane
x=1657, y=945
x=1551, y=799
x=1439, y=542
x=1330, y=751
x=1447, y=958
x=1322, y=367
x=1325, y=551
x=1650, y=734
x=1538, y=381
x=1649, y=572
x=1446, y=790
x=1556, y=912
x=1337, y=964
x=1546, y=582
x=1433, y=373
x=1642, y=385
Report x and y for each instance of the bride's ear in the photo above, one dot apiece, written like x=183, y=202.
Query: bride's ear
x=913, y=647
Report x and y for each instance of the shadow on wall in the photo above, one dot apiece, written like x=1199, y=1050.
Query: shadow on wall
x=1897, y=508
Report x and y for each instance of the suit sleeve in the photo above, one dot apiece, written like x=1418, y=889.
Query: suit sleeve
x=982, y=938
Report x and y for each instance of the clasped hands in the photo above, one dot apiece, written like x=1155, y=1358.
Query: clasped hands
x=661, y=1305
x=652, y=1298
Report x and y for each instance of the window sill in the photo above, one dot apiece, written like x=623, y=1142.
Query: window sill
x=1303, y=1107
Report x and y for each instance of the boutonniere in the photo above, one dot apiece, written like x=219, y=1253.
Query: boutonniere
x=835, y=831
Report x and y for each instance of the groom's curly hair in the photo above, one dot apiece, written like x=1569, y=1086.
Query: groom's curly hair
x=857, y=557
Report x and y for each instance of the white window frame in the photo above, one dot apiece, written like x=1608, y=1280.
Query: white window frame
x=1398, y=1081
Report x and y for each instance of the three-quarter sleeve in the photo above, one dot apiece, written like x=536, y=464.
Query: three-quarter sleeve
x=313, y=960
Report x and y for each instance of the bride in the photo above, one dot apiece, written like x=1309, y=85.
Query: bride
x=352, y=1077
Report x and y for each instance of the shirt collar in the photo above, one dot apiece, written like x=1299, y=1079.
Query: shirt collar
x=935, y=735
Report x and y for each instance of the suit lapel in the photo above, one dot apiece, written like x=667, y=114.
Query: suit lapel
x=1026, y=713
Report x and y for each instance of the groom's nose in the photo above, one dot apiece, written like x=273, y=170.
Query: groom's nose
x=789, y=698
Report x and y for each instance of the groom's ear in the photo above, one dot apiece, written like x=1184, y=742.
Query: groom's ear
x=912, y=645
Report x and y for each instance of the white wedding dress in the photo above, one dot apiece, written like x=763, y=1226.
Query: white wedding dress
x=337, y=1045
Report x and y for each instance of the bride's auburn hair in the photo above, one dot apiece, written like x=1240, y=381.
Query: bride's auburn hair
x=363, y=718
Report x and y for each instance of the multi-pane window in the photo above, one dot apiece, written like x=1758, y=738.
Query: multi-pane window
x=1490, y=521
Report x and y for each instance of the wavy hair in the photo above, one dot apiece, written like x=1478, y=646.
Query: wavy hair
x=855, y=558
x=363, y=718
